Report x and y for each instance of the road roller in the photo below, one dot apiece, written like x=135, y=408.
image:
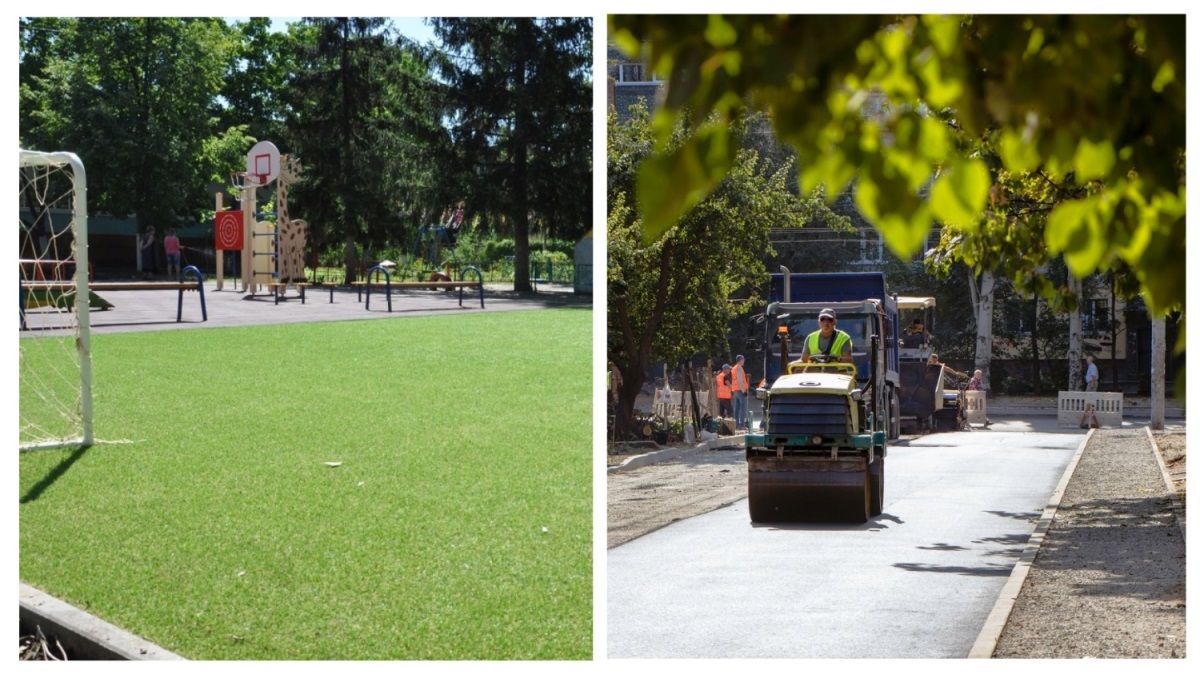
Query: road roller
x=819, y=453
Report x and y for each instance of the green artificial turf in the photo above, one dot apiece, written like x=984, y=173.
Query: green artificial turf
x=458, y=525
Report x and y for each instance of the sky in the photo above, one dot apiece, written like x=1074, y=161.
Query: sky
x=411, y=27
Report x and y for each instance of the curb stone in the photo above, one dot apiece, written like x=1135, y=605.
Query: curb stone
x=989, y=635
x=1176, y=503
x=670, y=453
x=89, y=637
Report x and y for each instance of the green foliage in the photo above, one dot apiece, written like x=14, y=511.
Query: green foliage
x=256, y=81
x=520, y=93
x=133, y=98
x=673, y=296
x=339, y=122
x=426, y=543
x=1094, y=101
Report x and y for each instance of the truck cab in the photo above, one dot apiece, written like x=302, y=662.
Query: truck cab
x=864, y=311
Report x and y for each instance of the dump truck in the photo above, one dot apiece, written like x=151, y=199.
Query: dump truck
x=820, y=451
x=864, y=310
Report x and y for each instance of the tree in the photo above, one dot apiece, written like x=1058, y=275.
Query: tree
x=1098, y=100
x=672, y=297
x=341, y=124
x=132, y=97
x=256, y=83
x=521, y=121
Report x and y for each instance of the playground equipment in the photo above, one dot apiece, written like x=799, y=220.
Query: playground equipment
x=272, y=252
x=39, y=293
x=388, y=284
x=435, y=244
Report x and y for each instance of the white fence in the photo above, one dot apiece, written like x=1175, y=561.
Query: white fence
x=1110, y=407
x=975, y=406
x=673, y=404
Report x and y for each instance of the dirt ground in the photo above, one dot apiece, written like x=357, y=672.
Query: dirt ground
x=1173, y=448
x=644, y=499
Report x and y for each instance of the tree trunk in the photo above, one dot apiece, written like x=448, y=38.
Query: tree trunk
x=691, y=386
x=520, y=160
x=1112, y=330
x=627, y=393
x=1158, y=372
x=350, y=259
x=1037, y=359
x=983, y=327
x=1075, y=345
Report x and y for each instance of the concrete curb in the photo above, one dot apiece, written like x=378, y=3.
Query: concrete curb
x=670, y=453
x=993, y=627
x=85, y=635
x=1176, y=502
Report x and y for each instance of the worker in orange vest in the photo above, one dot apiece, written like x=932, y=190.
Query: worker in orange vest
x=741, y=387
x=725, y=390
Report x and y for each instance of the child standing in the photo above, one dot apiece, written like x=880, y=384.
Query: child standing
x=171, y=245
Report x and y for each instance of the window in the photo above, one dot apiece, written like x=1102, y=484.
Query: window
x=633, y=73
x=1019, y=316
x=1095, y=317
x=870, y=247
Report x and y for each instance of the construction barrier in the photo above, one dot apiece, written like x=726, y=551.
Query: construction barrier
x=975, y=406
x=672, y=404
x=1110, y=407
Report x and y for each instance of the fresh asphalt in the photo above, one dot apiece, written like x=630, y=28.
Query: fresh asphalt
x=917, y=581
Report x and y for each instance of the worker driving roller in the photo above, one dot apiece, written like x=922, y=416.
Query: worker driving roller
x=916, y=336
x=829, y=342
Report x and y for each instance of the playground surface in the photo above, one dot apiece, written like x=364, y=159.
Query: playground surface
x=135, y=311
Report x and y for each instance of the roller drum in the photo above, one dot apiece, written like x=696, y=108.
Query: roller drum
x=792, y=490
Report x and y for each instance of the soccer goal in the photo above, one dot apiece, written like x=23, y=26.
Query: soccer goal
x=55, y=365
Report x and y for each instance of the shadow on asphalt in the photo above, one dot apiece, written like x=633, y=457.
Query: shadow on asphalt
x=874, y=524
x=961, y=570
x=1015, y=516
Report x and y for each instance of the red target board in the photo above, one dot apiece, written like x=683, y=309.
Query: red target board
x=229, y=230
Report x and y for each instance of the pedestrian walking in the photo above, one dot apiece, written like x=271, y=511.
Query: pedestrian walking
x=1092, y=378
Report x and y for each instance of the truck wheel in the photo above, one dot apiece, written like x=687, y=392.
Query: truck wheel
x=876, y=472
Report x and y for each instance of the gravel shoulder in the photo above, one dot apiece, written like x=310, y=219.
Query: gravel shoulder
x=1109, y=578
x=642, y=500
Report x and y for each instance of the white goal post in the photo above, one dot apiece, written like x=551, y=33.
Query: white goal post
x=55, y=366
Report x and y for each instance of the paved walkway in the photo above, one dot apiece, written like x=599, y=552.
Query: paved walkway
x=1109, y=579
x=157, y=309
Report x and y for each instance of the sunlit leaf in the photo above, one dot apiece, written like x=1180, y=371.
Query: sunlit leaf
x=935, y=140
x=720, y=33
x=1094, y=161
x=943, y=32
x=1165, y=76
x=1018, y=155
x=672, y=183
x=958, y=196
x=1066, y=227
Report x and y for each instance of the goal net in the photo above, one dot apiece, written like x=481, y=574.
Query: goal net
x=55, y=362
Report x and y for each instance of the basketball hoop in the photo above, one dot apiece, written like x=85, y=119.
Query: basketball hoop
x=243, y=180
